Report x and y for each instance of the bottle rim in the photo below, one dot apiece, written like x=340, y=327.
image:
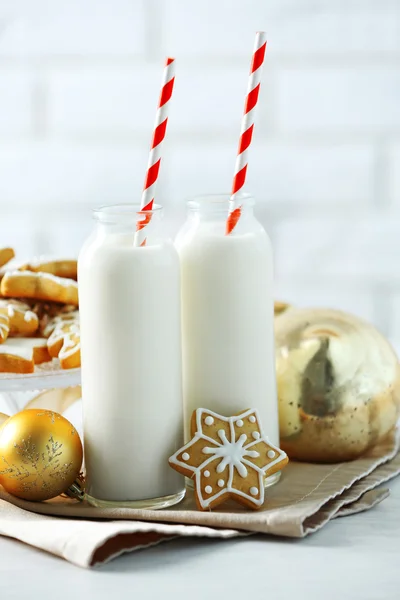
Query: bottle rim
x=117, y=213
x=217, y=202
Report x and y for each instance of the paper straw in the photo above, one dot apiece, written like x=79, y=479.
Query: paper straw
x=246, y=132
x=153, y=166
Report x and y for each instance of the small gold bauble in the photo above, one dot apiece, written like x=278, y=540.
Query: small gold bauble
x=40, y=454
x=338, y=385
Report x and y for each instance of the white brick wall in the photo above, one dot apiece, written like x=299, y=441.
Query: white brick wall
x=394, y=175
x=78, y=88
x=295, y=27
x=65, y=174
x=290, y=174
x=97, y=101
x=16, y=110
x=73, y=28
x=345, y=100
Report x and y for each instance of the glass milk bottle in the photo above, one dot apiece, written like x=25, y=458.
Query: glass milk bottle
x=227, y=313
x=131, y=361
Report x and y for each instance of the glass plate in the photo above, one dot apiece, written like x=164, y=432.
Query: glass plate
x=45, y=377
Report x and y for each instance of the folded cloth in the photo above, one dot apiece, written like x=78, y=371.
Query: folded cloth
x=306, y=498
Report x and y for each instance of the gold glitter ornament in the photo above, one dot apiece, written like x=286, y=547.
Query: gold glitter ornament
x=40, y=454
x=338, y=385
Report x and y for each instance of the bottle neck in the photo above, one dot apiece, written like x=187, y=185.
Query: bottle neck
x=124, y=219
x=209, y=214
x=216, y=207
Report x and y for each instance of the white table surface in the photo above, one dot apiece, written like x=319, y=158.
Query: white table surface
x=355, y=557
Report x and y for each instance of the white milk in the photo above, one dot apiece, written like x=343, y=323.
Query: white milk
x=227, y=318
x=131, y=367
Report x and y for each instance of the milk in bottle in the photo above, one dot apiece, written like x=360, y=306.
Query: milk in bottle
x=227, y=313
x=131, y=361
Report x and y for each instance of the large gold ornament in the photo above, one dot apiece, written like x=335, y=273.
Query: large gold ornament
x=40, y=454
x=338, y=385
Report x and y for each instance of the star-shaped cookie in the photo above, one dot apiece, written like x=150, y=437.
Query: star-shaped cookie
x=228, y=457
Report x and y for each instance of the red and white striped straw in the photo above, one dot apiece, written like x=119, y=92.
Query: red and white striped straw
x=246, y=132
x=153, y=166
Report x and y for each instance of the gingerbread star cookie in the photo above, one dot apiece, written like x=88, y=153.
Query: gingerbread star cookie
x=228, y=457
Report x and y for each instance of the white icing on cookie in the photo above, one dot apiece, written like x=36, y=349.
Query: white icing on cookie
x=17, y=306
x=232, y=453
x=208, y=420
x=252, y=419
x=253, y=491
x=27, y=342
x=4, y=327
x=227, y=454
x=256, y=435
x=64, y=327
x=22, y=347
x=185, y=456
x=61, y=280
x=65, y=282
x=239, y=423
x=20, y=352
x=208, y=489
x=38, y=261
x=270, y=454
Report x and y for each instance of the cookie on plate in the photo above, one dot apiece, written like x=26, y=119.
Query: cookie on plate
x=20, y=355
x=64, y=340
x=39, y=286
x=22, y=321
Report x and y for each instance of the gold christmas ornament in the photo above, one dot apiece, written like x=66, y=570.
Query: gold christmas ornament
x=338, y=385
x=40, y=454
x=3, y=418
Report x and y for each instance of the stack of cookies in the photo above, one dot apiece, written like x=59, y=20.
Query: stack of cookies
x=39, y=316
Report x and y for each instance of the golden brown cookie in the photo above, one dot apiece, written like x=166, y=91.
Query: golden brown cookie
x=6, y=254
x=39, y=286
x=228, y=458
x=19, y=355
x=67, y=268
x=64, y=339
x=22, y=321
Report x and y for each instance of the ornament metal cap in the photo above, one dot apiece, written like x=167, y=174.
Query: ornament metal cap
x=77, y=489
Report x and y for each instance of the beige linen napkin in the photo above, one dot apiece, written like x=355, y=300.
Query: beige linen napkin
x=306, y=498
